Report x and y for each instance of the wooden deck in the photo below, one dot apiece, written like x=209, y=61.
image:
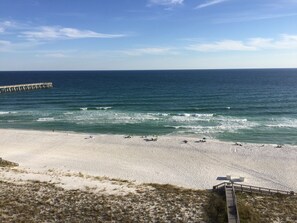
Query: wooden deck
x=25, y=87
x=253, y=189
x=232, y=211
x=231, y=202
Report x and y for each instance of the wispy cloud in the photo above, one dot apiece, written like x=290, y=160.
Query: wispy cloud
x=21, y=37
x=149, y=51
x=210, y=3
x=61, y=53
x=224, y=45
x=10, y=46
x=54, y=33
x=5, y=24
x=4, y=45
x=285, y=41
x=252, y=17
x=54, y=55
x=166, y=2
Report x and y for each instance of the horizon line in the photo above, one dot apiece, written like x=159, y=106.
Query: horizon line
x=165, y=69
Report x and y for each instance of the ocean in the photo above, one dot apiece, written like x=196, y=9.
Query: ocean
x=246, y=105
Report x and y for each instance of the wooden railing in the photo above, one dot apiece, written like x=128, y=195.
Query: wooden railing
x=233, y=215
x=235, y=201
x=253, y=189
x=220, y=186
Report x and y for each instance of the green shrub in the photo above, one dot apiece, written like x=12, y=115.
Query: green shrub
x=216, y=209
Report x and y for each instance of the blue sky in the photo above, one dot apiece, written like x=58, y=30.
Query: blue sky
x=147, y=34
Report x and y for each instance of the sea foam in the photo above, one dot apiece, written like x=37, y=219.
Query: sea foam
x=7, y=112
x=103, y=108
x=47, y=119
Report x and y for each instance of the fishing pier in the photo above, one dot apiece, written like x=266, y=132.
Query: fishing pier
x=25, y=87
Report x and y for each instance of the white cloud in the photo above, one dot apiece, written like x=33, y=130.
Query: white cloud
x=148, y=51
x=284, y=42
x=252, y=17
x=61, y=53
x=210, y=3
x=260, y=42
x=52, y=33
x=6, y=24
x=166, y=2
x=224, y=45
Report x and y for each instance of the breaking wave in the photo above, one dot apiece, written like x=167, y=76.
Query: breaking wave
x=103, y=108
x=283, y=123
x=7, y=112
x=47, y=119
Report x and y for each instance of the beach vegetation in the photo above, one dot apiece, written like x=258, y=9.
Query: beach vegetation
x=267, y=208
x=35, y=201
x=215, y=209
x=6, y=163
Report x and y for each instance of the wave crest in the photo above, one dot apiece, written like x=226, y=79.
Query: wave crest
x=46, y=119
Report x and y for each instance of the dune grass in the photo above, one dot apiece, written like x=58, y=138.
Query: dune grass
x=44, y=202
x=267, y=208
x=5, y=163
x=35, y=201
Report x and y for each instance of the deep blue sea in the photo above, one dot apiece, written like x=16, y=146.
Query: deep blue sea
x=252, y=105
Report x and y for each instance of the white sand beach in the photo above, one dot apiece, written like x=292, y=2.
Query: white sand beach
x=54, y=156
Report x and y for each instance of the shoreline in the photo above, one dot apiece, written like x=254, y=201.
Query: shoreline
x=174, y=135
x=42, y=154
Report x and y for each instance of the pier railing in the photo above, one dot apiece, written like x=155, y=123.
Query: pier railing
x=25, y=87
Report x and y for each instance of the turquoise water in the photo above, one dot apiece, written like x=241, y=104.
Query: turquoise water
x=239, y=105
